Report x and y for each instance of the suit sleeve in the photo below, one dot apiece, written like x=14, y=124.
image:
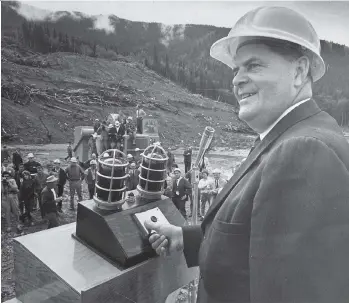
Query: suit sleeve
x=45, y=196
x=299, y=243
x=192, y=237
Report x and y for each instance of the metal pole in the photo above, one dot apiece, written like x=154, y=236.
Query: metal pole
x=206, y=139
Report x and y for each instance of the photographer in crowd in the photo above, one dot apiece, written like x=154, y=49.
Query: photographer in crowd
x=9, y=201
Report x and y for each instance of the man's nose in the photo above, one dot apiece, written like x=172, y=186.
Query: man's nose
x=240, y=78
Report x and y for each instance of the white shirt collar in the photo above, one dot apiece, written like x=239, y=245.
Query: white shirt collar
x=287, y=111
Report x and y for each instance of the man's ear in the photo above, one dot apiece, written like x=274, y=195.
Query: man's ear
x=302, y=70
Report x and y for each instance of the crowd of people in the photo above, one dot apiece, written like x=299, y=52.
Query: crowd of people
x=178, y=184
x=110, y=134
x=29, y=186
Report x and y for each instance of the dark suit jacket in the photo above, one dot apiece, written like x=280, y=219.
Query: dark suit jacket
x=121, y=131
x=48, y=202
x=278, y=232
x=184, y=188
x=62, y=176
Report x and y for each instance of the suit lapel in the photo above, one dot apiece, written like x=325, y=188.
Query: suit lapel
x=300, y=113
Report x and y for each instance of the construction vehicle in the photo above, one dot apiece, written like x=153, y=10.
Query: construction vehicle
x=83, y=133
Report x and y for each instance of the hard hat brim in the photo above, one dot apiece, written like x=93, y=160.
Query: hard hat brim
x=224, y=50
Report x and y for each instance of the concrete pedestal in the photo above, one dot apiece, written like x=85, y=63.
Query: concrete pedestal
x=51, y=266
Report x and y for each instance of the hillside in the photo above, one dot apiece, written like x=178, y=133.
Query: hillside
x=56, y=92
x=178, y=52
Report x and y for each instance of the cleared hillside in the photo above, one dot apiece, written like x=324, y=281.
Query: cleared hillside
x=56, y=92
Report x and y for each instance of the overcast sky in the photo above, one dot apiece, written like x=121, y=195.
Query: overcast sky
x=329, y=18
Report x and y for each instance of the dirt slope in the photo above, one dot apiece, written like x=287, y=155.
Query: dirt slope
x=59, y=91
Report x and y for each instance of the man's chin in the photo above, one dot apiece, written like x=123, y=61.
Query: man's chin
x=246, y=116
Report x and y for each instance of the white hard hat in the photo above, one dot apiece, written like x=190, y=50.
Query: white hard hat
x=216, y=171
x=271, y=22
x=30, y=155
x=57, y=161
x=73, y=160
x=110, y=125
x=129, y=118
x=129, y=156
x=106, y=155
x=177, y=169
x=51, y=179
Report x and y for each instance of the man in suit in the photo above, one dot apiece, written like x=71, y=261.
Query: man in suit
x=180, y=190
x=218, y=182
x=120, y=131
x=187, y=158
x=90, y=177
x=49, y=199
x=59, y=173
x=278, y=232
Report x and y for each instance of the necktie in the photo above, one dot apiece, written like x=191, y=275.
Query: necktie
x=216, y=183
x=255, y=143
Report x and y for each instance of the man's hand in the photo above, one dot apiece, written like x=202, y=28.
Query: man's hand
x=165, y=238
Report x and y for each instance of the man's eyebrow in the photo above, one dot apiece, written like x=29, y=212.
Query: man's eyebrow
x=250, y=60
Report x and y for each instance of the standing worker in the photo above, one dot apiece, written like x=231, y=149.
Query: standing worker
x=31, y=165
x=40, y=183
x=9, y=200
x=16, y=159
x=180, y=190
x=171, y=160
x=187, y=158
x=75, y=174
x=26, y=197
x=90, y=177
x=49, y=199
x=92, y=146
x=104, y=137
x=60, y=174
x=278, y=232
x=140, y=114
x=69, y=152
x=131, y=129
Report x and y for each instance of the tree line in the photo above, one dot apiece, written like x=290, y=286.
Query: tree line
x=185, y=59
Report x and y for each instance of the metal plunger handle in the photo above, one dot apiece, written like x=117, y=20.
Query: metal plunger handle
x=205, y=142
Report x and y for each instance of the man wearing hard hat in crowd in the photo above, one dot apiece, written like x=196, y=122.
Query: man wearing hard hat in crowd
x=92, y=145
x=31, y=165
x=278, y=232
x=131, y=129
x=75, y=174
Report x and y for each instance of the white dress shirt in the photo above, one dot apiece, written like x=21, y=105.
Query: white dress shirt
x=54, y=194
x=287, y=111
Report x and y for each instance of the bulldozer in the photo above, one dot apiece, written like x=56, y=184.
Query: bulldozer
x=83, y=133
